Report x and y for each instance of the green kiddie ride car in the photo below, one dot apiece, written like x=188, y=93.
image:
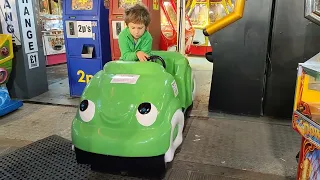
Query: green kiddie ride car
x=133, y=113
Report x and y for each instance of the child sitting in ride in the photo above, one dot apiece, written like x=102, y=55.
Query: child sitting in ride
x=135, y=42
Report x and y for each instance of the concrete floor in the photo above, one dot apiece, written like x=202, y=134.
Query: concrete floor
x=253, y=147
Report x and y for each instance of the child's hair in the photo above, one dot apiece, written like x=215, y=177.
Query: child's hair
x=137, y=14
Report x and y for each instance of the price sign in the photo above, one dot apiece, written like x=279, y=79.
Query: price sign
x=84, y=29
x=84, y=78
x=33, y=60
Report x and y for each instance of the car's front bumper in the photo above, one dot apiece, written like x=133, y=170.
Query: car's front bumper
x=121, y=143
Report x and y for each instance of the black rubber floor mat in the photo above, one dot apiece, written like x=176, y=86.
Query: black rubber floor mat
x=50, y=158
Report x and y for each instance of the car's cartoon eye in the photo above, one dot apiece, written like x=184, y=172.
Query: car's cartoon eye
x=146, y=114
x=87, y=110
x=144, y=108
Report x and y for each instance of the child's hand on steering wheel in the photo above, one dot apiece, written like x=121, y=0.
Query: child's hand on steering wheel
x=142, y=56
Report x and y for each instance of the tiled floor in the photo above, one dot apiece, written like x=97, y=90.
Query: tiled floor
x=8, y=145
x=34, y=121
x=57, y=73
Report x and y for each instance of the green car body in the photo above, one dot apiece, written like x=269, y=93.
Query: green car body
x=109, y=119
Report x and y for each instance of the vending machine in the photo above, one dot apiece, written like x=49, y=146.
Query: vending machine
x=169, y=27
x=87, y=40
x=116, y=21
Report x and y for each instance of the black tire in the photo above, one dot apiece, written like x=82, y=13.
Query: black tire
x=150, y=167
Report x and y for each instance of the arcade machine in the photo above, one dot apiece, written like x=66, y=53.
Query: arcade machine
x=202, y=13
x=116, y=21
x=6, y=55
x=306, y=115
x=169, y=27
x=86, y=39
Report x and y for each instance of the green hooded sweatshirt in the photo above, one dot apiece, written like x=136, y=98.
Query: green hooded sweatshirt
x=129, y=48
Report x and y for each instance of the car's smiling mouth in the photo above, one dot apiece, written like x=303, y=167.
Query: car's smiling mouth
x=112, y=119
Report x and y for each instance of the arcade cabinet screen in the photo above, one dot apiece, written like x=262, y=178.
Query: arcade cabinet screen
x=82, y=4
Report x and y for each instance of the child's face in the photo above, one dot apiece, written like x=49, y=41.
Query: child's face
x=136, y=30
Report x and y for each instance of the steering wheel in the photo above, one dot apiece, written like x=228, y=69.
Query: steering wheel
x=154, y=58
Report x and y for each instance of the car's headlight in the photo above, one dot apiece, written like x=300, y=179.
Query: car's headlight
x=146, y=114
x=86, y=110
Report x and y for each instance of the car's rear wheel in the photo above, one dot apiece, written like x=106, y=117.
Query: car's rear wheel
x=176, y=121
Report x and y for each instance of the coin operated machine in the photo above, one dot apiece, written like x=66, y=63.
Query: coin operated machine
x=6, y=55
x=169, y=32
x=117, y=24
x=86, y=39
x=306, y=112
x=202, y=13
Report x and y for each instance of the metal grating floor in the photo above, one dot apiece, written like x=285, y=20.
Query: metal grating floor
x=50, y=158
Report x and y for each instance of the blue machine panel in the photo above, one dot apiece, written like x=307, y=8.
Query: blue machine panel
x=81, y=71
x=74, y=47
x=87, y=41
